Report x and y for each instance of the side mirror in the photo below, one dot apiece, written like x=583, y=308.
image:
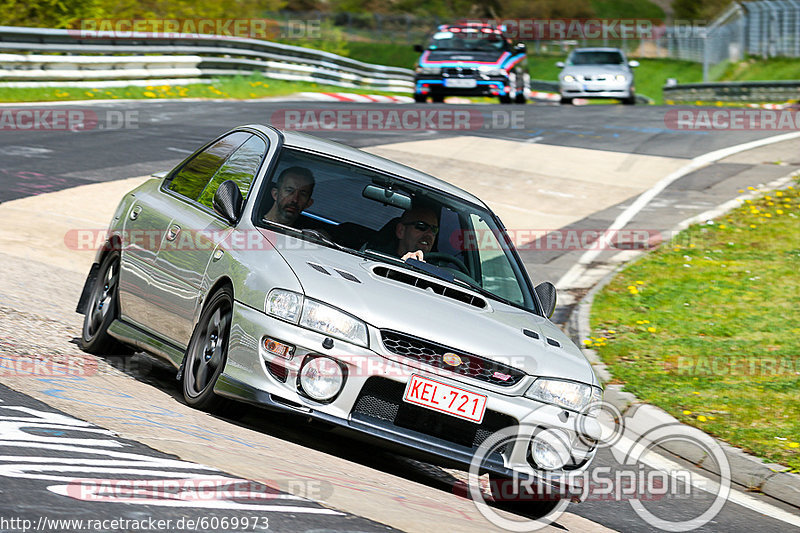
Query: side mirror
x=546, y=292
x=560, y=64
x=520, y=47
x=418, y=48
x=633, y=64
x=228, y=201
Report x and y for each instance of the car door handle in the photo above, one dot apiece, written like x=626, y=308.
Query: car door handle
x=135, y=212
x=173, y=232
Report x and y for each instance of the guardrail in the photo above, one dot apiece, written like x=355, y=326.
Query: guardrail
x=733, y=92
x=32, y=56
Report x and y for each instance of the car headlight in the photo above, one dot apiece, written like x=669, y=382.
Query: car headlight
x=284, y=304
x=492, y=71
x=317, y=316
x=620, y=77
x=568, y=78
x=567, y=394
x=331, y=321
x=428, y=70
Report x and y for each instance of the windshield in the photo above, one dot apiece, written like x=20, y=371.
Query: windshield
x=359, y=210
x=596, y=58
x=467, y=40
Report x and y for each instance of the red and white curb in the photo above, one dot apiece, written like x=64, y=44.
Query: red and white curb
x=360, y=98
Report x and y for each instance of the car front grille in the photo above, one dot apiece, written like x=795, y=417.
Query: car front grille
x=460, y=72
x=382, y=399
x=432, y=354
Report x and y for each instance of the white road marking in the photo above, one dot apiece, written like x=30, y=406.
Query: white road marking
x=706, y=484
x=179, y=150
x=577, y=270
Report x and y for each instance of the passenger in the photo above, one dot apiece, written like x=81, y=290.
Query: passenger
x=292, y=194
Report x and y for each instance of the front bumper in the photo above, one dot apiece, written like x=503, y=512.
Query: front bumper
x=610, y=89
x=430, y=85
x=371, y=405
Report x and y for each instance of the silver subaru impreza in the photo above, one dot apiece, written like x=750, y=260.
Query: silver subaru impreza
x=298, y=274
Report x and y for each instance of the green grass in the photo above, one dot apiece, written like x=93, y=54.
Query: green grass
x=779, y=68
x=707, y=327
x=254, y=86
x=626, y=9
x=390, y=54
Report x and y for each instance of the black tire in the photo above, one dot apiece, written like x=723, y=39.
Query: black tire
x=630, y=101
x=437, y=98
x=520, y=98
x=566, y=101
x=207, y=353
x=505, y=99
x=523, y=504
x=102, y=309
x=420, y=98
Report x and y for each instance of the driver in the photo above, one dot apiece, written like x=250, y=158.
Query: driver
x=416, y=231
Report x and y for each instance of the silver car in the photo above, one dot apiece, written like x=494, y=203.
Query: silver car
x=597, y=73
x=322, y=319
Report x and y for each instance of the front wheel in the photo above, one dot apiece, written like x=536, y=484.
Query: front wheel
x=103, y=309
x=420, y=98
x=207, y=352
x=437, y=98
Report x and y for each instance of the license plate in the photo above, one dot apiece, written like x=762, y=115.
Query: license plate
x=445, y=398
x=460, y=83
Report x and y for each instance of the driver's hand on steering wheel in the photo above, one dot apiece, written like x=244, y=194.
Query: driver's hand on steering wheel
x=414, y=255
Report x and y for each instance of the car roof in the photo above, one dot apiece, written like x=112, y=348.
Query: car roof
x=303, y=141
x=598, y=49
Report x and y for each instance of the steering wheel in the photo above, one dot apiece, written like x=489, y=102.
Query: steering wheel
x=447, y=259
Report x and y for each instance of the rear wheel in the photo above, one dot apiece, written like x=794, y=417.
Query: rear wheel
x=437, y=98
x=420, y=98
x=505, y=99
x=207, y=352
x=103, y=309
x=566, y=101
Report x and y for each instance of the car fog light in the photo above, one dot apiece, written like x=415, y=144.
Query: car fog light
x=550, y=449
x=321, y=378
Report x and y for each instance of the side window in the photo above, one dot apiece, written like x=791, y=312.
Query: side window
x=241, y=167
x=192, y=178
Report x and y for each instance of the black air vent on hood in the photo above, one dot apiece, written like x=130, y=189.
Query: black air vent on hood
x=428, y=285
